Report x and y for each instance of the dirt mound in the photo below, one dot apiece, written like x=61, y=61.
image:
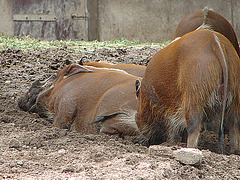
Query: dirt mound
x=31, y=148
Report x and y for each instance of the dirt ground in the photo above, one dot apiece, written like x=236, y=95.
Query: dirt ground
x=31, y=148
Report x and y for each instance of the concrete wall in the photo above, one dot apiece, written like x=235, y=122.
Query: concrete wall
x=155, y=20
x=93, y=23
x=143, y=20
x=236, y=17
x=6, y=14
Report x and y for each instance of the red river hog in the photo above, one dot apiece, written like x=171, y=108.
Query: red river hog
x=192, y=83
x=91, y=99
x=207, y=19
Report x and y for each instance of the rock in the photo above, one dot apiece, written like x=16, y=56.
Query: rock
x=27, y=65
x=62, y=133
x=62, y=151
x=20, y=163
x=5, y=119
x=68, y=169
x=189, y=156
x=158, y=150
x=14, y=143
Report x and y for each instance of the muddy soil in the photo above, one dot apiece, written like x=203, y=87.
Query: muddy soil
x=31, y=148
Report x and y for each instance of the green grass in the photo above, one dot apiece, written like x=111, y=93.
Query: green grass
x=28, y=43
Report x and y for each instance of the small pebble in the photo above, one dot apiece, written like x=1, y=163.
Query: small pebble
x=62, y=151
x=14, y=143
x=158, y=150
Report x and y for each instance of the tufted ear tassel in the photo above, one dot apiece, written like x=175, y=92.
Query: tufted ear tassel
x=138, y=85
x=75, y=69
x=71, y=70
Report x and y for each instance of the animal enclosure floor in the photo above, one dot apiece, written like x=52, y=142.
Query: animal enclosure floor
x=31, y=148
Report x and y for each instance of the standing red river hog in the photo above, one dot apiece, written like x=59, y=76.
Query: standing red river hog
x=190, y=84
x=91, y=99
x=207, y=19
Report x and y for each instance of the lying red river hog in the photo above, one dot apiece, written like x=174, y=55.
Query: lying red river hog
x=136, y=70
x=91, y=99
x=190, y=84
x=207, y=19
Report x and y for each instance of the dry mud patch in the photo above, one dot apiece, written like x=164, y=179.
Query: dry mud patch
x=31, y=148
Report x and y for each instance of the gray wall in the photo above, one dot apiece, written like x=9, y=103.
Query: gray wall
x=236, y=17
x=155, y=20
x=93, y=23
x=143, y=20
x=6, y=14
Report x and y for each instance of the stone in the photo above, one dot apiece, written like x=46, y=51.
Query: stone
x=188, y=156
x=158, y=150
x=14, y=143
x=62, y=151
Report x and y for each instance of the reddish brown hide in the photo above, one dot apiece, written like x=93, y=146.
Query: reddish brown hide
x=136, y=70
x=190, y=83
x=81, y=96
x=207, y=19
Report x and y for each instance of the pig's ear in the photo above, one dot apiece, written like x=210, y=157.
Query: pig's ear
x=81, y=62
x=138, y=85
x=75, y=69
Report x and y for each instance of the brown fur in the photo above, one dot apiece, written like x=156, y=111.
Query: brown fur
x=207, y=19
x=183, y=88
x=80, y=96
x=136, y=70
